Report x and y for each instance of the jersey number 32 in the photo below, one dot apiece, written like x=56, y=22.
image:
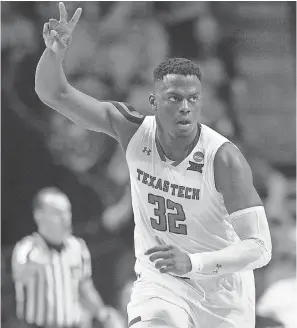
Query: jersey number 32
x=167, y=221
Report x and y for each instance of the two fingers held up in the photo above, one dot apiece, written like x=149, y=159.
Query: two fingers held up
x=57, y=34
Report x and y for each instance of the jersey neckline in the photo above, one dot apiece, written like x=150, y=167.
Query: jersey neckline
x=162, y=155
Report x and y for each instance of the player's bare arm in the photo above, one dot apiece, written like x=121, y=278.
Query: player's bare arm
x=233, y=179
x=116, y=119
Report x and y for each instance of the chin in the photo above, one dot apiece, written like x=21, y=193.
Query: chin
x=185, y=130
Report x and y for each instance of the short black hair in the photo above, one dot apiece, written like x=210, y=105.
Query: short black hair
x=181, y=66
x=39, y=197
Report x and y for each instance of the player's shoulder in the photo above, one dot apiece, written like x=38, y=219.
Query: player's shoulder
x=211, y=139
x=126, y=121
x=211, y=132
x=230, y=166
x=128, y=112
x=229, y=157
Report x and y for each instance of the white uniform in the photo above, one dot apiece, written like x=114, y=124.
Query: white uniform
x=179, y=203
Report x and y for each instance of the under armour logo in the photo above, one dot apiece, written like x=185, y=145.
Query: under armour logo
x=147, y=151
x=195, y=167
x=218, y=266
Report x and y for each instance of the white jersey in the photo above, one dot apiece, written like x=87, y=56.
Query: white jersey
x=178, y=201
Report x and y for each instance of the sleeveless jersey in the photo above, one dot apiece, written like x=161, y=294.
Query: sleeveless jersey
x=179, y=203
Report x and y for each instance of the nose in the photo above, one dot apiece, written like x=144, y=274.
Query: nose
x=185, y=109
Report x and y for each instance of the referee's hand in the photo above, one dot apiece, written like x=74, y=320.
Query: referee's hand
x=111, y=318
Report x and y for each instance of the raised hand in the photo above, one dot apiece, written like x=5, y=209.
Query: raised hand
x=57, y=34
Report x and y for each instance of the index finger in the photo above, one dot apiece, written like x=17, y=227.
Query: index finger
x=75, y=18
x=161, y=255
x=63, y=13
x=159, y=248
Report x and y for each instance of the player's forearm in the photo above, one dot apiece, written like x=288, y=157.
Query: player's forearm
x=248, y=254
x=50, y=80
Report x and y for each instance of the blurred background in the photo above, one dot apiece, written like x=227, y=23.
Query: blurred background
x=246, y=51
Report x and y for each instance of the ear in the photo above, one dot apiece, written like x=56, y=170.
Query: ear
x=37, y=216
x=152, y=100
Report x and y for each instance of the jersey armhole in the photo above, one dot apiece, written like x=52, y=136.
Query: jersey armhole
x=128, y=112
x=131, y=116
x=133, y=137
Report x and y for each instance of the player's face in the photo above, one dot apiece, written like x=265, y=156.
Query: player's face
x=178, y=104
x=55, y=218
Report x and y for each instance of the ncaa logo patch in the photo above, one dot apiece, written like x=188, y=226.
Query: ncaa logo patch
x=198, y=156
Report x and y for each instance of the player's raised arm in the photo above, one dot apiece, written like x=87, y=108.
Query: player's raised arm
x=52, y=87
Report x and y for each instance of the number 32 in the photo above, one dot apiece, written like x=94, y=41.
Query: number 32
x=173, y=218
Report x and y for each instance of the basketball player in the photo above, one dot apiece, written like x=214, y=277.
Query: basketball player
x=52, y=270
x=200, y=226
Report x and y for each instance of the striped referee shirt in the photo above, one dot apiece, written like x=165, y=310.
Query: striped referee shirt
x=51, y=295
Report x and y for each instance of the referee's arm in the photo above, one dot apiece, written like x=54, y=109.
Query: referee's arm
x=92, y=299
x=88, y=293
x=22, y=267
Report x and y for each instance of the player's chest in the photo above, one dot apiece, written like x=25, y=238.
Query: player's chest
x=149, y=171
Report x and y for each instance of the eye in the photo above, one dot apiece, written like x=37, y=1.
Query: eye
x=194, y=98
x=173, y=98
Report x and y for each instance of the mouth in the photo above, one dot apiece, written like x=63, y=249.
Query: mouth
x=183, y=122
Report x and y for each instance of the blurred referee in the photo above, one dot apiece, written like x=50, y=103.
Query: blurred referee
x=52, y=270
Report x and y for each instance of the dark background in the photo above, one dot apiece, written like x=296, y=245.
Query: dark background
x=247, y=55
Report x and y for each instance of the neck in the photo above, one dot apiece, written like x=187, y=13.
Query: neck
x=49, y=239
x=175, y=147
